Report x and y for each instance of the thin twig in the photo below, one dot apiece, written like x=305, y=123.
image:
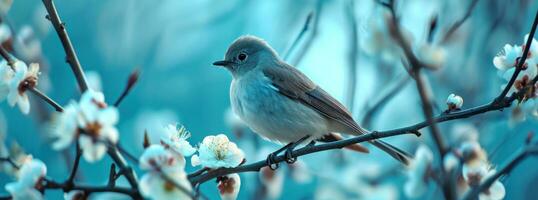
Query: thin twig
x=46, y=98
x=313, y=35
x=127, y=154
x=295, y=42
x=131, y=81
x=460, y=22
x=71, y=56
x=71, y=179
x=353, y=54
x=10, y=161
x=384, y=98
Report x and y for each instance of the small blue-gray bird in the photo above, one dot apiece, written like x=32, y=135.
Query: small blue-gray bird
x=281, y=104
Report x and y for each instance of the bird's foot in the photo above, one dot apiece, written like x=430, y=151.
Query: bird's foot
x=290, y=159
x=271, y=162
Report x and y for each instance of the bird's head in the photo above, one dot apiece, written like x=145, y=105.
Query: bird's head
x=247, y=53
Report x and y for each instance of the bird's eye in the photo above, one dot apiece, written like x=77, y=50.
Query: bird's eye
x=242, y=57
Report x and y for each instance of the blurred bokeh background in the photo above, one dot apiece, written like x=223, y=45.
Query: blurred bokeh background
x=174, y=42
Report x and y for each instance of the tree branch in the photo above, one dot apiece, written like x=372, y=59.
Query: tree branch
x=297, y=153
x=125, y=168
x=70, y=182
x=71, y=56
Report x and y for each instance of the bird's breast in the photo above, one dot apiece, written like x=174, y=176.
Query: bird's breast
x=274, y=116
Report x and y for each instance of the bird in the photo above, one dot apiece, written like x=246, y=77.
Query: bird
x=281, y=104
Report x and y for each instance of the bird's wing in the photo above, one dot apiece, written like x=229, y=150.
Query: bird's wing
x=292, y=83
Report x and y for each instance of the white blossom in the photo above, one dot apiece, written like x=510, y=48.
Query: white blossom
x=450, y=161
x=154, y=186
x=24, y=77
x=300, y=172
x=432, y=56
x=472, y=153
x=474, y=175
x=65, y=126
x=229, y=186
x=5, y=31
x=98, y=122
x=6, y=74
x=507, y=59
x=30, y=174
x=418, y=172
x=92, y=121
x=273, y=180
x=161, y=162
x=94, y=80
x=217, y=151
x=454, y=102
x=176, y=139
x=157, y=158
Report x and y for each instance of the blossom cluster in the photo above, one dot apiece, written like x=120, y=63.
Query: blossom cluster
x=91, y=122
x=508, y=59
x=468, y=157
x=165, y=164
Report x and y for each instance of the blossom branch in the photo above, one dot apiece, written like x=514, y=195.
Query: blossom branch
x=520, y=156
x=309, y=149
x=521, y=61
x=466, y=113
x=71, y=56
x=89, y=189
x=11, y=62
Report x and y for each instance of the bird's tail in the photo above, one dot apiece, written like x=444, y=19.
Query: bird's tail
x=393, y=151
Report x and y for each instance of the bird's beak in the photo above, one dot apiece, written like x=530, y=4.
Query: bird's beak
x=223, y=63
